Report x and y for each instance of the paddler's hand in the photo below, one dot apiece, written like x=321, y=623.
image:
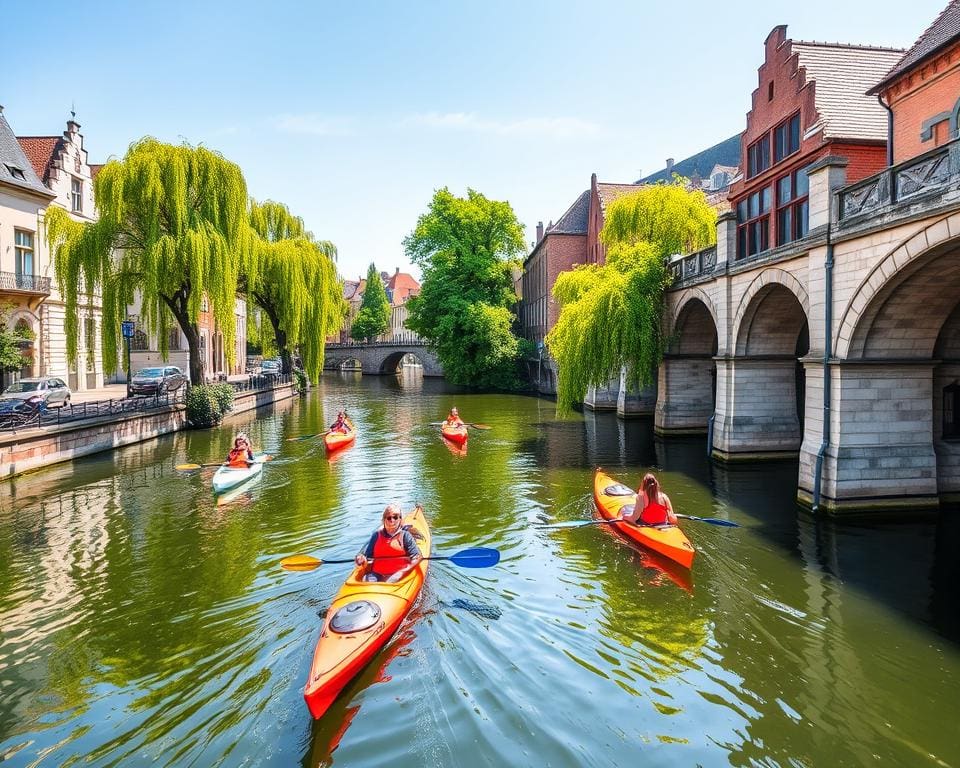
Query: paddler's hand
x=361, y=560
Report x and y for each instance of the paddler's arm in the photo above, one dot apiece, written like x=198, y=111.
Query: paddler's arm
x=363, y=557
x=638, y=505
x=671, y=515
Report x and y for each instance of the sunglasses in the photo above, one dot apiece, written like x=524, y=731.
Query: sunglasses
x=391, y=517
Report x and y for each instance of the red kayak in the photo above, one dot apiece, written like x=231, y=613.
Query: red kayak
x=337, y=440
x=456, y=435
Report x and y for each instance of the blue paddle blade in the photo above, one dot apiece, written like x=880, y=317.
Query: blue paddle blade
x=478, y=557
x=711, y=520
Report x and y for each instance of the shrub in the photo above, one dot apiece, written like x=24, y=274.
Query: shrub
x=300, y=380
x=223, y=394
x=203, y=407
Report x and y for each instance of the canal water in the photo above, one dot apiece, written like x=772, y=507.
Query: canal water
x=143, y=623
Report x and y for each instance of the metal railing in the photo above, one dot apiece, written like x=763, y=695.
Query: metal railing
x=258, y=381
x=11, y=281
x=929, y=172
x=355, y=344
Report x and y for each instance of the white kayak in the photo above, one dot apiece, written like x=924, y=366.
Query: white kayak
x=230, y=477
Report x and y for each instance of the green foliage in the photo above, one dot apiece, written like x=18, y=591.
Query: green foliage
x=223, y=394
x=610, y=316
x=295, y=283
x=300, y=380
x=11, y=358
x=259, y=339
x=203, y=406
x=373, y=317
x=173, y=228
x=465, y=248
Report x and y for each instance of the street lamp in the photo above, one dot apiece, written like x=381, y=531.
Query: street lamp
x=127, y=329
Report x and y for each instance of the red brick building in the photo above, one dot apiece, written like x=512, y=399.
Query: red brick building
x=811, y=101
x=923, y=89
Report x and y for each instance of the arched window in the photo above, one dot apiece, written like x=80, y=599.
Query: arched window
x=139, y=342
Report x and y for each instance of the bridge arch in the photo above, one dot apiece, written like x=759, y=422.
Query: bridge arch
x=767, y=320
x=391, y=363
x=914, y=287
x=693, y=316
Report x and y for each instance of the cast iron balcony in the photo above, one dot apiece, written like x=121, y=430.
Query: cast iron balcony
x=14, y=283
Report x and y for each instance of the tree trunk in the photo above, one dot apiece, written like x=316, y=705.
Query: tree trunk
x=178, y=307
x=279, y=335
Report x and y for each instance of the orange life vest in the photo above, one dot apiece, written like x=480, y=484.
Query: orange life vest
x=388, y=546
x=238, y=458
x=654, y=513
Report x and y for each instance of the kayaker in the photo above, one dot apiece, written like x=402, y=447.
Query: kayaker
x=342, y=424
x=241, y=455
x=391, y=541
x=653, y=506
x=453, y=419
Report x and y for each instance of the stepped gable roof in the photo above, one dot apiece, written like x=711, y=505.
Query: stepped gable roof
x=842, y=74
x=40, y=150
x=944, y=30
x=574, y=221
x=610, y=192
x=726, y=153
x=16, y=170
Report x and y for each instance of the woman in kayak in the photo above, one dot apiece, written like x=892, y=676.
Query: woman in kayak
x=653, y=506
x=453, y=419
x=342, y=424
x=391, y=541
x=241, y=455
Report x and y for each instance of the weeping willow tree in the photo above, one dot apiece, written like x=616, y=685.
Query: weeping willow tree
x=294, y=282
x=610, y=314
x=173, y=228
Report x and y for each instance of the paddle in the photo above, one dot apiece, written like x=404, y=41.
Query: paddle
x=308, y=437
x=478, y=557
x=466, y=424
x=191, y=467
x=581, y=523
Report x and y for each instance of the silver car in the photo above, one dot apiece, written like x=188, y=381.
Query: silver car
x=153, y=381
x=53, y=391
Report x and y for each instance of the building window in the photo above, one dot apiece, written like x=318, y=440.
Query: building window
x=786, y=138
x=770, y=91
x=173, y=339
x=139, y=342
x=951, y=411
x=758, y=156
x=76, y=196
x=16, y=172
x=793, y=210
x=90, y=341
x=753, y=223
x=23, y=257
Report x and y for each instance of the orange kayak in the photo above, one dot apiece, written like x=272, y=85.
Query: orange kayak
x=336, y=440
x=611, y=497
x=361, y=619
x=456, y=435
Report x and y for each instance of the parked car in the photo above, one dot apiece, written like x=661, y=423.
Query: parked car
x=270, y=368
x=152, y=381
x=53, y=391
x=15, y=412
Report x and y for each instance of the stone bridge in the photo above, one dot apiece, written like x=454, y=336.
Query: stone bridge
x=842, y=347
x=381, y=358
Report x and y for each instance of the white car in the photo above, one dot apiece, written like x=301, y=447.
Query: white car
x=53, y=391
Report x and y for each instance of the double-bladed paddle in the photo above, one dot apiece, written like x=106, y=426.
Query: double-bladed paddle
x=191, y=467
x=478, y=557
x=581, y=523
x=308, y=437
x=466, y=424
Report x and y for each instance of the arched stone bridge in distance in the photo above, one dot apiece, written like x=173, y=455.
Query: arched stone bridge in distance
x=381, y=358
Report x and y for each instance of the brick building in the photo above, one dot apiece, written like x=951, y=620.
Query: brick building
x=811, y=101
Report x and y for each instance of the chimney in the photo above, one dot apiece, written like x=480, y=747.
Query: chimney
x=669, y=164
x=539, y=231
x=397, y=272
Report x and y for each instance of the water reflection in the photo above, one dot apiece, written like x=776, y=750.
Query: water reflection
x=142, y=623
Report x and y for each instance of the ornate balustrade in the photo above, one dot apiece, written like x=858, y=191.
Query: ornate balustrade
x=695, y=265
x=10, y=281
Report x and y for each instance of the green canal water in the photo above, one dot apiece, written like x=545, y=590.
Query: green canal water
x=144, y=624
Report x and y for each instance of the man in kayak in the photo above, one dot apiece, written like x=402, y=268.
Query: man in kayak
x=392, y=541
x=241, y=455
x=453, y=419
x=342, y=424
x=653, y=506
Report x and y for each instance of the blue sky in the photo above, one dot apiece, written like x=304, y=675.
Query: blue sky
x=353, y=113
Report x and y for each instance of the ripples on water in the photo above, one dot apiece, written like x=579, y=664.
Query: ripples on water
x=143, y=623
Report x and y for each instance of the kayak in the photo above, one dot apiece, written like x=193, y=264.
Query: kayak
x=457, y=435
x=611, y=497
x=359, y=622
x=230, y=477
x=337, y=440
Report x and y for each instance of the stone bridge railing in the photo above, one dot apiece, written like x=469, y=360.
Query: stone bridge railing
x=929, y=174
x=697, y=264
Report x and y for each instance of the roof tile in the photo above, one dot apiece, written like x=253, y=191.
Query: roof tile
x=943, y=31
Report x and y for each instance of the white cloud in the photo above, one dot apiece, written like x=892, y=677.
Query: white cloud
x=312, y=124
x=551, y=127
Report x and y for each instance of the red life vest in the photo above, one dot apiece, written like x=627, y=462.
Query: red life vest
x=654, y=513
x=388, y=546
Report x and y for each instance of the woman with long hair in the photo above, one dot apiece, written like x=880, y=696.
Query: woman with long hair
x=653, y=506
